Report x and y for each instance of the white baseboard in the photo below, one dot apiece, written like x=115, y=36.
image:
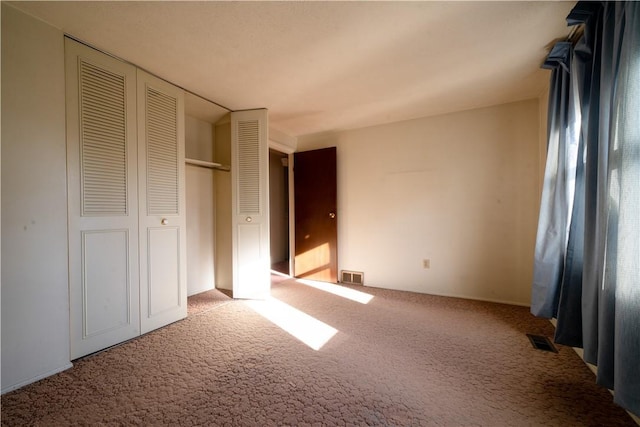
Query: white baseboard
x=36, y=378
x=191, y=292
x=461, y=296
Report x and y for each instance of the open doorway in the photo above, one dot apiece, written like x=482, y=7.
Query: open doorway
x=279, y=211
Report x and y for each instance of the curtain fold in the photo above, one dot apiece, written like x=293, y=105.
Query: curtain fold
x=622, y=265
x=612, y=25
x=569, y=311
x=595, y=178
x=557, y=190
x=593, y=288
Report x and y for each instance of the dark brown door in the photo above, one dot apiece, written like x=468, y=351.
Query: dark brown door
x=316, y=222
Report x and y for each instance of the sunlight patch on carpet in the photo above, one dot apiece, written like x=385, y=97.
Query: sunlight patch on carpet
x=341, y=291
x=300, y=325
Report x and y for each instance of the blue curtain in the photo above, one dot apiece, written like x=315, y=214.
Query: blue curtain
x=593, y=285
x=622, y=262
x=558, y=187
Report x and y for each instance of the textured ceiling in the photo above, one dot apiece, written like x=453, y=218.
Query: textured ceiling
x=326, y=66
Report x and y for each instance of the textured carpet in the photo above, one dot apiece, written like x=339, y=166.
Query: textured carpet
x=206, y=301
x=402, y=359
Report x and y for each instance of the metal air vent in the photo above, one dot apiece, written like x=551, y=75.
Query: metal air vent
x=543, y=343
x=352, y=277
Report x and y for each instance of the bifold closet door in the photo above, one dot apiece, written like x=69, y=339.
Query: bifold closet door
x=161, y=175
x=102, y=200
x=250, y=204
x=125, y=166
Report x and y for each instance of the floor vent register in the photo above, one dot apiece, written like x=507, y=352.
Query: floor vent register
x=543, y=343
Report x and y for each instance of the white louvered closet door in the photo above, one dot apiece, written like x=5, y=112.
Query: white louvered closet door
x=161, y=175
x=102, y=200
x=250, y=200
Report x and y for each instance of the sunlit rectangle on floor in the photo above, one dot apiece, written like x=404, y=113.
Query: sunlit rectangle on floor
x=305, y=328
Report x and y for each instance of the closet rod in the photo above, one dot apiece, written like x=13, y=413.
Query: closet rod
x=208, y=165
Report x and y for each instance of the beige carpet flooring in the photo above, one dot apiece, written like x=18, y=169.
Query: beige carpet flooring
x=402, y=359
x=205, y=301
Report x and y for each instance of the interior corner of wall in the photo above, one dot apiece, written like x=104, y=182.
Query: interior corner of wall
x=281, y=141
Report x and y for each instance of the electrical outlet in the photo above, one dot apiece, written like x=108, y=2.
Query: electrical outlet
x=426, y=263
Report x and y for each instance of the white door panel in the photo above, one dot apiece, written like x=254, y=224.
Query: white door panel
x=106, y=285
x=163, y=297
x=102, y=200
x=251, y=269
x=250, y=204
x=164, y=274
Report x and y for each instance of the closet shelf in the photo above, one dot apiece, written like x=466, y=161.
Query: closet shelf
x=209, y=165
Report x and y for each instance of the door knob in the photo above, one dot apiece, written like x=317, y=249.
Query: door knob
x=332, y=215
x=164, y=221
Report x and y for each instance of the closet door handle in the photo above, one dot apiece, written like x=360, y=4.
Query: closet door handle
x=164, y=221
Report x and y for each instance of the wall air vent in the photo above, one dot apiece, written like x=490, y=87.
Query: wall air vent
x=352, y=277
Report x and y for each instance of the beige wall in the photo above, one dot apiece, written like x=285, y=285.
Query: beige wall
x=35, y=296
x=460, y=190
x=199, y=141
x=223, y=242
x=278, y=209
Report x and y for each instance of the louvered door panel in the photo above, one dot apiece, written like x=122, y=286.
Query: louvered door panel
x=162, y=153
x=163, y=290
x=102, y=200
x=248, y=167
x=103, y=141
x=250, y=216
